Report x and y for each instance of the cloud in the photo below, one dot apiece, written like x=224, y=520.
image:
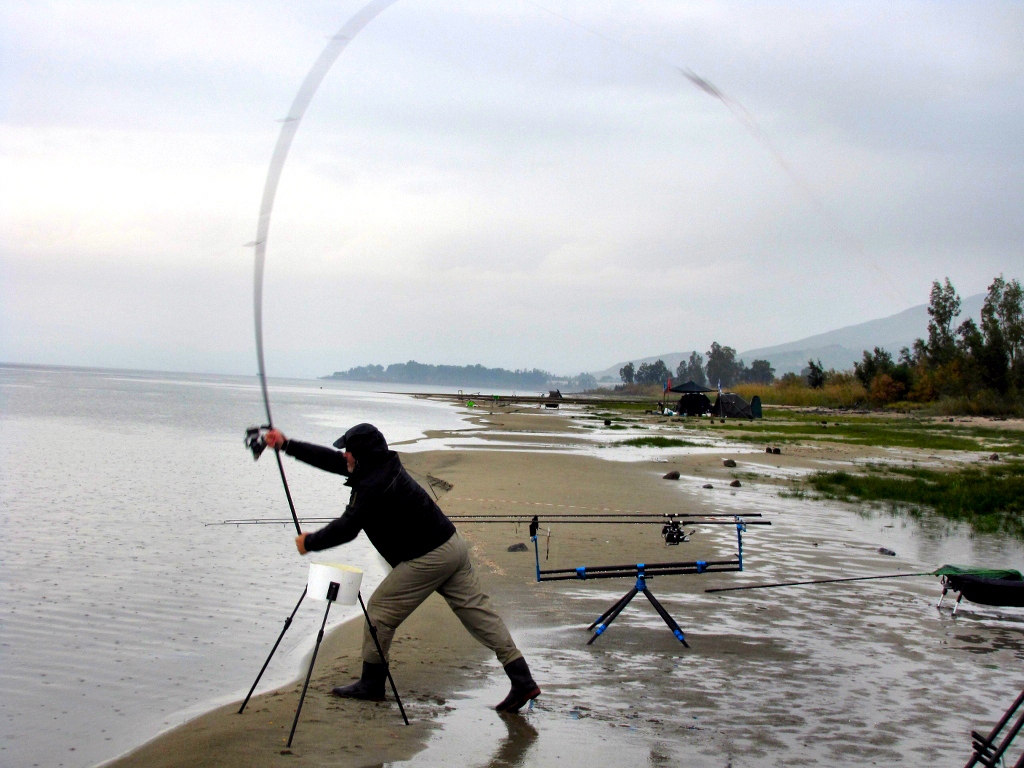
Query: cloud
x=572, y=199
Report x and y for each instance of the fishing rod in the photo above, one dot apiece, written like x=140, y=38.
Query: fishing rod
x=818, y=581
x=500, y=519
x=254, y=436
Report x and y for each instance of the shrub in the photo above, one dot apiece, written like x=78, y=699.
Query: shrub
x=885, y=390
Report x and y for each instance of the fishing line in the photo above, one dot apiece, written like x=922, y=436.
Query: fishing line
x=289, y=127
x=749, y=122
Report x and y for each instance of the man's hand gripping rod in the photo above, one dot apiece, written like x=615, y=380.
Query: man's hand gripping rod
x=256, y=442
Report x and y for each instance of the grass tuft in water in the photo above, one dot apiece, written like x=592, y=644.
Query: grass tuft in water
x=657, y=442
x=990, y=499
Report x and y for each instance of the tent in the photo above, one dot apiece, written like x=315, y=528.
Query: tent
x=731, y=406
x=693, y=404
x=690, y=387
x=693, y=401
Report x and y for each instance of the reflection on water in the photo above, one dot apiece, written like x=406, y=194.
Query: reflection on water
x=513, y=748
x=121, y=611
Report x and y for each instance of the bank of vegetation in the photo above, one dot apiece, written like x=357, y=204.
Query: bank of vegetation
x=966, y=368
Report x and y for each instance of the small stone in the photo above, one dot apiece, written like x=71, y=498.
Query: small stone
x=729, y=463
x=884, y=551
x=607, y=422
x=994, y=457
x=673, y=475
x=708, y=485
x=735, y=484
x=776, y=451
x=520, y=547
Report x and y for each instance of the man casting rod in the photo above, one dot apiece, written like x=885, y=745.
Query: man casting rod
x=401, y=520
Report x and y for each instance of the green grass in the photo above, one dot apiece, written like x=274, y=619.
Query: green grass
x=890, y=433
x=656, y=441
x=991, y=499
x=882, y=430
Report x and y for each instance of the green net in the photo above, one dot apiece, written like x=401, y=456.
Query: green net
x=986, y=573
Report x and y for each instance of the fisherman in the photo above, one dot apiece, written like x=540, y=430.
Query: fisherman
x=425, y=551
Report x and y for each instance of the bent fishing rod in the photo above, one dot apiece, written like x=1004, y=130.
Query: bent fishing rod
x=254, y=436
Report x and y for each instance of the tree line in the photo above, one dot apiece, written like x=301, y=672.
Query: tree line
x=451, y=375
x=980, y=364
x=722, y=369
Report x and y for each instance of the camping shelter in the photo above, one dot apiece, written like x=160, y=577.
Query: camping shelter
x=693, y=401
x=729, y=405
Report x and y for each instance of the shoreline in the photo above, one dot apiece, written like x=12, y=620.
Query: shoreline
x=742, y=642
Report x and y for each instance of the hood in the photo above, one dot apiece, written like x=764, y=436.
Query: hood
x=366, y=443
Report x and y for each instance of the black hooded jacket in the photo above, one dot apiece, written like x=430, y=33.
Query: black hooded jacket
x=399, y=517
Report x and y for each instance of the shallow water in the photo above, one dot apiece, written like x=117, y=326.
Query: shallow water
x=123, y=613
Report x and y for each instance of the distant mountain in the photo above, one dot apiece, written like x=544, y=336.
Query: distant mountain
x=671, y=361
x=841, y=348
x=838, y=349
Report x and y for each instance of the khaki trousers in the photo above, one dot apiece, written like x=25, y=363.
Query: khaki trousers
x=447, y=571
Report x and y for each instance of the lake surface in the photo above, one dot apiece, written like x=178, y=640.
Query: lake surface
x=123, y=613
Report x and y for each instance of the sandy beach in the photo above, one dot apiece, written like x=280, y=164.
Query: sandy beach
x=857, y=675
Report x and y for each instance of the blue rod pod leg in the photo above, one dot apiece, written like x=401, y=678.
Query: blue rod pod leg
x=610, y=611
x=668, y=619
x=614, y=615
x=280, y=637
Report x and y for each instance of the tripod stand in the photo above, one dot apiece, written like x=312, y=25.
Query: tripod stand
x=332, y=595
x=605, y=619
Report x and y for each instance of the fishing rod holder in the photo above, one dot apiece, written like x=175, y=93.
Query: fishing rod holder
x=641, y=572
x=321, y=585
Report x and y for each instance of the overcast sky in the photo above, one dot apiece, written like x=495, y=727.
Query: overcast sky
x=486, y=182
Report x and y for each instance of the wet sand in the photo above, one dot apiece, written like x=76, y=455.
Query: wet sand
x=856, y=675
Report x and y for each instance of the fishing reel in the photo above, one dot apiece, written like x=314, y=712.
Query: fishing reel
x=673, y=533
x=255, y=441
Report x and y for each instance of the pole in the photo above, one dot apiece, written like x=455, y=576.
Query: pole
x=818, y=581
x=287, y=491
x=287, y=623
x=383, y=658
x=332, y=594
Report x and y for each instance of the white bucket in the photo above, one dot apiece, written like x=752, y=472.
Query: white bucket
x=322, y=574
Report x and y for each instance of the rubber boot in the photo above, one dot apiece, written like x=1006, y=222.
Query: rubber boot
x=523, y=687
x=369, y=687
